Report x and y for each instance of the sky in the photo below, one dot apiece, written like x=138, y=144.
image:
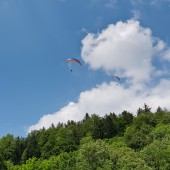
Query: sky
x=129, y=39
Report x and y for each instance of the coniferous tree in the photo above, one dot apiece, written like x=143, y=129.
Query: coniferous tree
x=109, y=129
x=2, y=163
x=97, y=131
x=32, y=147
x=124, y=119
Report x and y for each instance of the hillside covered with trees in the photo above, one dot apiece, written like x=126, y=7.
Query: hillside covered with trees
x=111, y=142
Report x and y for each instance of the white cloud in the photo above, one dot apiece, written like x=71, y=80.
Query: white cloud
x=162, y=49
x=127, y=49
x=71, y=111
x=160, y=46
x=107, y=98
x=167, y=54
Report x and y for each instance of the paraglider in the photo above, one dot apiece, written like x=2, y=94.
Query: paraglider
x=117, y=78
x=74, y=60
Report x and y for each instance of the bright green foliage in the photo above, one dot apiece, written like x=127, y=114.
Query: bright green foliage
x=99, y=155
x=138, y=138
x=31, y=164
x=65, y=161
x=117, y=142
x=86, y=139
x=160, y=131
x=126, y=159
x=166, y=118
x=93, y=155
x=137, y=135
x=157, y=154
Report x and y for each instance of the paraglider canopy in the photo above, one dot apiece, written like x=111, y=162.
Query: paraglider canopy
x=74, y=60
x=116, y=77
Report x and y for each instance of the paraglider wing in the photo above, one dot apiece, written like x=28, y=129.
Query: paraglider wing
x=116, y=77
x=74, y=60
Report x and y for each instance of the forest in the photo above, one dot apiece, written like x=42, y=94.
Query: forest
x=111, y=142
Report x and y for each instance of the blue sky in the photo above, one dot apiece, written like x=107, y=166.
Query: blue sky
x=128, y=38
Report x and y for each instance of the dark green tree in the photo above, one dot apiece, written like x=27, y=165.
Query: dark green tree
x=146, y=108
x=109, y=128
x=97, y=131
x=32, y=147
x=2, y=163
x=18, y=149
x=124, y=119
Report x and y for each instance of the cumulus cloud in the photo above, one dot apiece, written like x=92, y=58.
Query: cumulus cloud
x=127, y=49
x=167, y=54
x=106, y=98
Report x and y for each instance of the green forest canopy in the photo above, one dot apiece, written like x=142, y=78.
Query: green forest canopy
x=113, y=141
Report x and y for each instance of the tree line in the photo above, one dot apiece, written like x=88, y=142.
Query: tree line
x=123, y=141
